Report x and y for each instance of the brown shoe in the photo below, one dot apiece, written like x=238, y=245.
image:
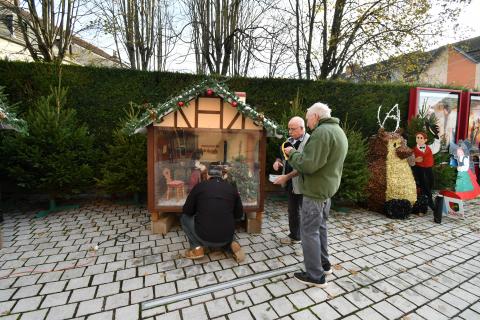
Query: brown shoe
x=195, y=253
x=289, y=241
x=237, y=251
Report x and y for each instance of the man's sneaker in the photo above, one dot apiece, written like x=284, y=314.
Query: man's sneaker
x=305, y=279
x=327, y=269
x=288, y=241
x=194, y=253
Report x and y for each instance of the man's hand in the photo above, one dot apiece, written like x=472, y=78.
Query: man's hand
x=281, y=179
x=277, y=165
x=288, y=150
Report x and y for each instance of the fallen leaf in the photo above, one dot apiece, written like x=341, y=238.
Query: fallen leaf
x=353, y=272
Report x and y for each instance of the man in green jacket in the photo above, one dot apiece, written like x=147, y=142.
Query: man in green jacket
x=320, y=168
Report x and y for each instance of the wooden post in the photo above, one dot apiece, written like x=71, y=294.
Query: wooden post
x=254, y=225
x=164, y=222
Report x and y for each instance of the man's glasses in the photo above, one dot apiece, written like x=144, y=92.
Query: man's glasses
x=293, y=129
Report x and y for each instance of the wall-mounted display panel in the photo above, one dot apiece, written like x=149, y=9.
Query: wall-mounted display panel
x=473, y=133
x=445, y=104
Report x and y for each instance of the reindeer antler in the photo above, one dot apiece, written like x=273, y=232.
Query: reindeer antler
x=389, y=116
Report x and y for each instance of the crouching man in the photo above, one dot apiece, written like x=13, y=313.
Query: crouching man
x=209, y=215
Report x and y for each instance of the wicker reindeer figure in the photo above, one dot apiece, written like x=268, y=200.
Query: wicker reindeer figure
x=391, y=186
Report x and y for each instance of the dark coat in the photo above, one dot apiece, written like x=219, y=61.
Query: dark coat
x=215, y=204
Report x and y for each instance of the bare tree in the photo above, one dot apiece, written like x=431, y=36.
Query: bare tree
x=141, y=29
x=304, y=19
x=329, y=35
x=225, y=34
x=278, y=51
x=250, y=40
x=215, y=23
x=47, y=26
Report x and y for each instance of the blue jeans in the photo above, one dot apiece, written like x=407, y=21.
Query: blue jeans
x=313, y=229
x=188, y=226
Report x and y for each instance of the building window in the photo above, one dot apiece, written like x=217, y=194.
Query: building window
x=9, y=23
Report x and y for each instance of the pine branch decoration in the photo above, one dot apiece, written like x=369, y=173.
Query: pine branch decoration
x=8, y=117
x=153, y=114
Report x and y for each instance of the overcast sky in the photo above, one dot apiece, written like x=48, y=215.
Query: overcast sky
x=469, y=23
x=469, y=27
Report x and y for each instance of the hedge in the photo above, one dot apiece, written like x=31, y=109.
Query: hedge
x=101, y=94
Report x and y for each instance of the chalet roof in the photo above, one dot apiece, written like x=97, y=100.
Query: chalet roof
x=153, y=114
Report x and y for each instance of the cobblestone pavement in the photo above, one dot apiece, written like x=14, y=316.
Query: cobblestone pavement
x=383, y=269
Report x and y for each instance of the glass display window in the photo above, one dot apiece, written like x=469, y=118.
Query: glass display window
x=182, y=157
x=474, y=119
x=444, y=104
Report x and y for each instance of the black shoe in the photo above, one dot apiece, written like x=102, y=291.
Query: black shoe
x=327, y=269
x=305, y=279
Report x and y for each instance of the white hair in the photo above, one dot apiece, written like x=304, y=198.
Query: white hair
x=320, y=109
x=298, y=120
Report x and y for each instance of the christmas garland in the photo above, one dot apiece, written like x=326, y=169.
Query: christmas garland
x=8, y=119
x=207, y=87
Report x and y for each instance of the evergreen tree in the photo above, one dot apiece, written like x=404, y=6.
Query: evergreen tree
x=444, y=175
x=125, y=167
x=355, y=168
x=57, y=154
x=415, y=125
x=421, y=123
x=296, y=109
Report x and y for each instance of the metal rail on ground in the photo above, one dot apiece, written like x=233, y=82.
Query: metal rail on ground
x=216, y=287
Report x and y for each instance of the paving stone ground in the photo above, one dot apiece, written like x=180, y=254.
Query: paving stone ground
x=383, y=269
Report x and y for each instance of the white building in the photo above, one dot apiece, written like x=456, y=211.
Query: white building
x=12, y=44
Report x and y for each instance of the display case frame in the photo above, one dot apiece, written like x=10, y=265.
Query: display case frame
x=437, y=94
x=471, y=119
